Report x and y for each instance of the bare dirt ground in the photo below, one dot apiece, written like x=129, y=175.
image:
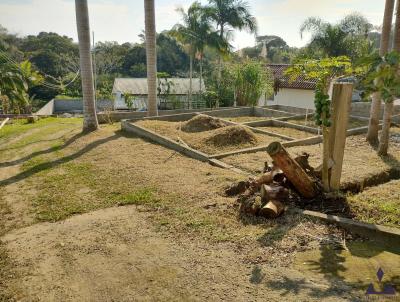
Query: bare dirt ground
x=201, y=140
x=360, y=159
x=111, y=217
x=353, y=123
x=291, y=132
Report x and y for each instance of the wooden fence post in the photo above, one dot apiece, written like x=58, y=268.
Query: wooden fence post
x=341, y=106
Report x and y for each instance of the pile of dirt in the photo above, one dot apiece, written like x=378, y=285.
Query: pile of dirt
x=232, y=135
x=201, y=123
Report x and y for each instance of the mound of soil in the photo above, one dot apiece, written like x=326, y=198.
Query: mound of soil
x=201, y=123
x=232, y=135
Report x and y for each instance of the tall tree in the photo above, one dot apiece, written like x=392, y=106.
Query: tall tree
x=90, y=122
x=230, y=15
x=345, y=38
x=151, y=57
x=388, y=109
x=196, y=33
x=373, y=127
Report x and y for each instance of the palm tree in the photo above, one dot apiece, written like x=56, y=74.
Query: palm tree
x=373, y=127
x=151, y=57
x=229, y=15
x=90, y=122
x=337, y=39
x=196, y=33
x=388, y=109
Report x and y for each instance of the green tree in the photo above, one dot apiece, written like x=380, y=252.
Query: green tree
x=230, y=15
x=252, y=80
x=348, y=37
x=324, y=71
x=196, y=33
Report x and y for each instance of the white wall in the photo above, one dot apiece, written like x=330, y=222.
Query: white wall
x=300, y=98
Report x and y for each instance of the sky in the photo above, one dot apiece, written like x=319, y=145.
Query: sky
x=123, y=20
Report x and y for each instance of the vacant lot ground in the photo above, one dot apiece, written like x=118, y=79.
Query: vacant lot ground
x=111, y=217
x=353, y=123
x=198, y=140
x=293, y=133
x=245, y=119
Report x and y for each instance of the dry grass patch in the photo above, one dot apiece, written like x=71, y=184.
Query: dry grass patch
x=245, y=119
x=380, y=204
x=206, y=141
x=353, y=123
x=293, y=133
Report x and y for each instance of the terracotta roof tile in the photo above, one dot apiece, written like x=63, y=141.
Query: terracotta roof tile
x=282, y=81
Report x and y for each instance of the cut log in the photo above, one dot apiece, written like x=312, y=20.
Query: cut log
x=292, y=170
x=272, y=209
x=273, y=193
x=266, y=178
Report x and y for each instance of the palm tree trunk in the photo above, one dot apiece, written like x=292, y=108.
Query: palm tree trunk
x=90, y=122
x=373, y=127
x=190, y=80
x=388, y=111
x=385, y=134
x=201, y=74
x=151, y=57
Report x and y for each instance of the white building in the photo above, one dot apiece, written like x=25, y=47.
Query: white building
x=299, y=93
x=177, y=98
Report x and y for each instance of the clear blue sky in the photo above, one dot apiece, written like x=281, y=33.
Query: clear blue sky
x=123, y=20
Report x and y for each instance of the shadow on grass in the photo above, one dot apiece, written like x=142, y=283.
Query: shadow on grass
x=42, y=152
x=36, y=142
x=51, y=164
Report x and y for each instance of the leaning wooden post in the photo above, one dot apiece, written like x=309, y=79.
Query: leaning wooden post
x=292, y=170
x=341, y=106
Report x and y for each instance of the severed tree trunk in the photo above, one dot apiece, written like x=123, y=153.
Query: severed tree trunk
x=90, y=122
x=373, y=127
x=151, y=57
x=292, y=170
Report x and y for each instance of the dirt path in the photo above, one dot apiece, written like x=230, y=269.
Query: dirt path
x=115, y=255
